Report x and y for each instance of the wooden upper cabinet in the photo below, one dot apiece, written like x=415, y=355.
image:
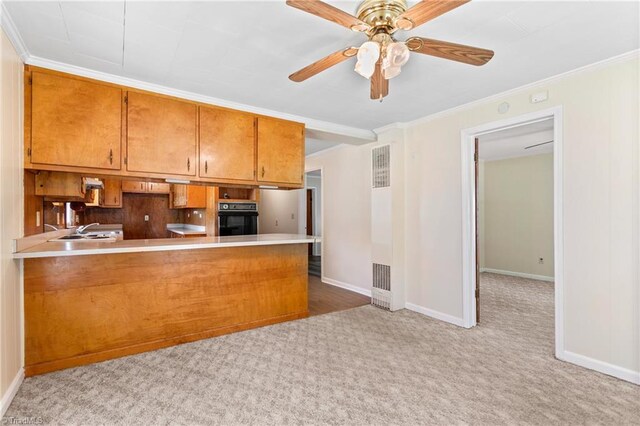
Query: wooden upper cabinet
x=227, y=144
x=75, y=122
x=280, y=151
x=161, y=135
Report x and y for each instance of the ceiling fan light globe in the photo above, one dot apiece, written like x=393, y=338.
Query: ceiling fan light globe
x=364, y=69
x=368, y=55
x=390, y=72
x=397, y=53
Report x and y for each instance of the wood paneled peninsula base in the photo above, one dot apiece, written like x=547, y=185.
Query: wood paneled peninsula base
x=88, y=308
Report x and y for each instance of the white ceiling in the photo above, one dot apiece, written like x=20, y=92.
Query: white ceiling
x=513, y=142
x=243, y=51
x=314, y=145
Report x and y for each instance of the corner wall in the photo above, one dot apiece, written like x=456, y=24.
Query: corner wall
x=11, y=223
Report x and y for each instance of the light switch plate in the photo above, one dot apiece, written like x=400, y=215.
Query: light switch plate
x=146, y=218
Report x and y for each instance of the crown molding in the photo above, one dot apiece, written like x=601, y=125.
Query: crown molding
x=12, y=33
x=633, y=54
x=354, y=134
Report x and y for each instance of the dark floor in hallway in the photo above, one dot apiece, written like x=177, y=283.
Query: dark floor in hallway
x=315, y=266
x=325, y=298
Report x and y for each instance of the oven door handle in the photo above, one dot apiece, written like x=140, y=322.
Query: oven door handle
x=244, y=214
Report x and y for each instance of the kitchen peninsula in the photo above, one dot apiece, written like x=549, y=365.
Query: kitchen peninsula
x=96, y=151
x=91, y=301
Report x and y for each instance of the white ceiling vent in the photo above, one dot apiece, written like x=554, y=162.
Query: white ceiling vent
x=381, y=166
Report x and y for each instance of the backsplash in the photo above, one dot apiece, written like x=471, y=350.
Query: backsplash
x=132, y=215
x=194, y=217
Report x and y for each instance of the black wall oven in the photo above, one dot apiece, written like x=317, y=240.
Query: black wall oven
x=237, y=219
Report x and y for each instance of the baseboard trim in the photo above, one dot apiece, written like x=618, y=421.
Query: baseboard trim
x=602, y=367
x=346, y=286
x=11, y=392
x=435, y=314
x=518, y=274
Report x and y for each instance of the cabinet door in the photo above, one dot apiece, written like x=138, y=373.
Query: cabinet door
x=280, y=151
x=112, y=193
x=227, y=144
x=196, y=197
x=179, y=195
x=161, y=135
x=134, y=186
x=158, y=188
x=75, y=122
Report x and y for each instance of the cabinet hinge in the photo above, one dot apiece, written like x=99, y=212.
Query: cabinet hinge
x=30, y=80
x=475, y=156
x=126, y=99
x=125, y=161
x=28, y=152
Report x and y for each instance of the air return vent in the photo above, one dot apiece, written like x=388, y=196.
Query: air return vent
x=381, y=292
x=381, y=166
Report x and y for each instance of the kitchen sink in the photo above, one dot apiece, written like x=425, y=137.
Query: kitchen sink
x=91, y=237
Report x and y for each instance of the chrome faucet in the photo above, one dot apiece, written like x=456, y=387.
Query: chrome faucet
x=81, y=229
x=46, y=225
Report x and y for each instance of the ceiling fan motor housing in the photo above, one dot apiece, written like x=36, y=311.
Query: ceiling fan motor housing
x=381, y=14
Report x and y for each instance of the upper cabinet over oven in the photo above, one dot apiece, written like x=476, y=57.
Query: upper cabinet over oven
x=161, y=135
x=73, y=122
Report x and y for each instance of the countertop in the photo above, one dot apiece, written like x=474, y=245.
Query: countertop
x=75, y=248
x=182, y=229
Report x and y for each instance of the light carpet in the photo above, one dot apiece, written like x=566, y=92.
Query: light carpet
x=361, y=366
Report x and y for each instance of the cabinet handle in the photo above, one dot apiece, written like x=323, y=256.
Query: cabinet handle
x=188, y=164
x=141, y=186
x=111, y=156
x=206, y=166
x=262, y=171
x=115, y=200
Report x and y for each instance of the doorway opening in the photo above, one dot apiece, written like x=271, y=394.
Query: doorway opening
x=508, y=229
x=514, y=224
x=313, y=197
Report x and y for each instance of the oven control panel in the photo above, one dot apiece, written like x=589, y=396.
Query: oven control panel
x=244, y=207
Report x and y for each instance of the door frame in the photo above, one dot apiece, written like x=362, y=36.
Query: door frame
x=467, y=137
x=302, y=208
x=313, y=192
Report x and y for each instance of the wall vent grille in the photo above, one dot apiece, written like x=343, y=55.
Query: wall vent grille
x=381, y=292
x=381, y=299
x=382, y=276
x=381, y=166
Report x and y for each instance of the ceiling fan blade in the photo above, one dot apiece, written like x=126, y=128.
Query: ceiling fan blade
x=333, y=14
x=455, y=52
x=379, y=84
x=425, y=11
x=324, y=63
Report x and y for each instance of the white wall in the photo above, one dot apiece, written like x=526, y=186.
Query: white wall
x=278, y=211
x=11, y=224
x=347, y=215
x=516, y=215
x=601, y=215
x=601, y=233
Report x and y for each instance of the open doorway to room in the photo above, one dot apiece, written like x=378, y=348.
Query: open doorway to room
x=313, y=199
x=512, y=227
x=514, y=238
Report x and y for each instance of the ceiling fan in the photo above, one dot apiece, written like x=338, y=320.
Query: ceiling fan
x=382, y=56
